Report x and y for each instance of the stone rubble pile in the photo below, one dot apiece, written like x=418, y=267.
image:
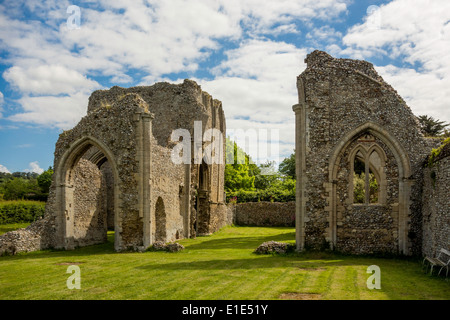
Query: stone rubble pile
x=169, y=247
x=270, y=247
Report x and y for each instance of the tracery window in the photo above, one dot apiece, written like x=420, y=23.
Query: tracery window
x=367, y=179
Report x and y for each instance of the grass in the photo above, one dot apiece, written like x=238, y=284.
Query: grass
x=22, y=201
x=221, y=266
x=12, y=226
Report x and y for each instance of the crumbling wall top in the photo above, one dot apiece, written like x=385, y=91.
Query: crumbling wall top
x=320, y=60
x=174, y=106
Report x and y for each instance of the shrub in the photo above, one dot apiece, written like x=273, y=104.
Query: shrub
x=21, y=211
x=272, y=195
x=435, y=153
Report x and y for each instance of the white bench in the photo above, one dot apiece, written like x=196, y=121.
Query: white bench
x=442, y=260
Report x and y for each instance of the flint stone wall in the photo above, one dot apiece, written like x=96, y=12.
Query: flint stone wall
x=165, y=182
x=265, y=214
x=32, y=238
x=436, y=205
x=114, y=170
x=339, y=96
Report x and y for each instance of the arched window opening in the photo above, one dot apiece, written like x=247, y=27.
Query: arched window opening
x=366, y=176
x=359, y=179
x=374, y=176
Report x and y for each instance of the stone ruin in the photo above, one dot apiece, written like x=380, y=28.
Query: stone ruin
x=113, y=171
x=349, y=121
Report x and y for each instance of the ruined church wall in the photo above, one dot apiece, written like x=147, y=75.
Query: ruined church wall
x=116, y=127
x=365, y=228
x=174, y=106
x=342, y=95
x=436, y=206
x=220, y=217
x=167, y=183
x=130, y=128
x=90, y=212
x=178, y=106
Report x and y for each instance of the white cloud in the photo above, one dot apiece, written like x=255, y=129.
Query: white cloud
x=324, y=33
x=53, y=66
x=263, y=16
x=53, y=111
x=424, y=92
x=406, y=29
x=417, y=34
x=53, y=95
x=4, y=169
x=48, y=80
x=257, y=86
x=34, y=167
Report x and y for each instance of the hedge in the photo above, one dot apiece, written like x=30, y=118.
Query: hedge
x=272, y=195
x=21, y=211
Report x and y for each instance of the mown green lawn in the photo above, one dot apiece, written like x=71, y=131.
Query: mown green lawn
x=221, y=266
x=4, y=228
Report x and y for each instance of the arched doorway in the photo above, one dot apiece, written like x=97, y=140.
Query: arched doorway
x=87, y=195
x=203, y=198
x=160, y=221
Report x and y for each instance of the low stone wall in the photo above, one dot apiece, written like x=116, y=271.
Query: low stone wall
x=221, y=216
x=436, y=206
x=37, y=236
x=265, y=214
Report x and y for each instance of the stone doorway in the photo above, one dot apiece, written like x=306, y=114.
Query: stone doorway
x=160, y=221
x=87, y=196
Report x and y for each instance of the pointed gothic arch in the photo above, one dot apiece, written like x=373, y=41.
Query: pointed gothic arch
x=404, y=171
x=64, y=178
x=160, y=221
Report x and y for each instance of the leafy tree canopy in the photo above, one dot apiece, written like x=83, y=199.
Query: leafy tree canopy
x=287, y=166
x=45, y=180
x=431, y=127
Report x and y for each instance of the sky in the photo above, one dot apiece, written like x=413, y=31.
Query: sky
x=247, y=54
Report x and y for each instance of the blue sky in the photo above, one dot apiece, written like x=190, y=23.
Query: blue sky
x=244, y=53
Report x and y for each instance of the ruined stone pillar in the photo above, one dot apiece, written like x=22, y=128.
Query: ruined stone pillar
x=68, y=208
x=144, y=155
x=300, y=165
x=300, y=169
x=300, y=110
x=187, y=201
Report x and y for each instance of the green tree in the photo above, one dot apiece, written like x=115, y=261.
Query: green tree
x=359, y=189
x=5, y=177
x=284, y=183
x=44, y=180
x=431, y=127
x=266, y=176
x=287, y=166
x=237, y=169
x=19, y=188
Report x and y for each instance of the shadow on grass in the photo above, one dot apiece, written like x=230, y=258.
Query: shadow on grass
x=252, y=262
x=244, y=242
x=97, y=249
x=230, y=242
